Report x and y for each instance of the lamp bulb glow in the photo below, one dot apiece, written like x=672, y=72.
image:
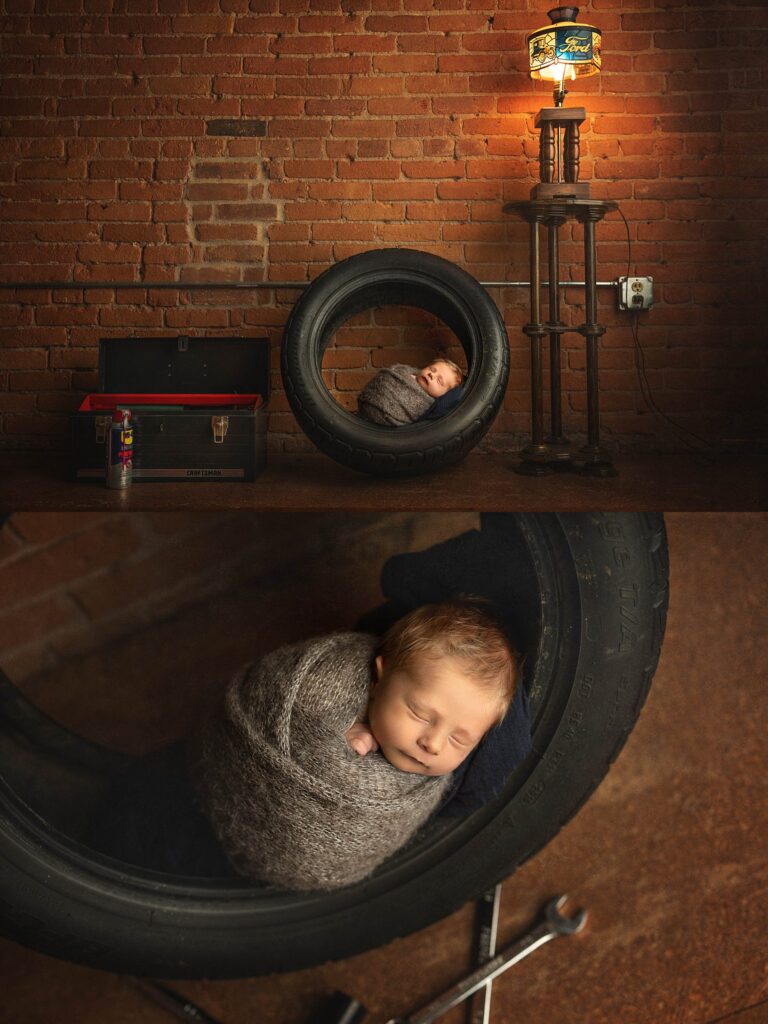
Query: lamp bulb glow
x=558, y=72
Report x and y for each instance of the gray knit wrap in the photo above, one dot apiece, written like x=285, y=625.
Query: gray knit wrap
x=394, y=397
x=291, y=802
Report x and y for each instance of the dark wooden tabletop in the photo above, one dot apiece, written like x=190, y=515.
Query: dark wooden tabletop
x=482, y=482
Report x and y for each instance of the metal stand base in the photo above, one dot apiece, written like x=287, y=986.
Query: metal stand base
x=542, y=456
x=594, y=461
x=533, y=467
x=536, y=460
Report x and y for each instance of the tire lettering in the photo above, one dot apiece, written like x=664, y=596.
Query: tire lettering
x=611, y=530
x=621, y=557
x=534, y=793
x=628, y=617
x=584, y=566
x=585, y=685
x=574, y=720
x=618, y=700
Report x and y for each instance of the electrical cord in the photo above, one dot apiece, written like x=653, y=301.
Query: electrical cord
x=700, y=445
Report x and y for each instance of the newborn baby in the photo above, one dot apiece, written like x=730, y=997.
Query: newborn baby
x=401, y=394
x=443, y=677
x=278, y=772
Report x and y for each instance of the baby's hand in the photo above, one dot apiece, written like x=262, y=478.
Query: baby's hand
x=360, y=738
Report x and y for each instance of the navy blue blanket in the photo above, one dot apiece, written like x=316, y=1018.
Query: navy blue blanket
x=480, y=563
x=442, y=405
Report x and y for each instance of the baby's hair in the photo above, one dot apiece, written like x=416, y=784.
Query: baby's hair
x=464, y=628
x=454, y=366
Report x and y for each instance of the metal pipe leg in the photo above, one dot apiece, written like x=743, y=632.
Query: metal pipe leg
x=593, y=407
x=537, y=396
x=534, y=455
x=555, y=386
x=595, y=461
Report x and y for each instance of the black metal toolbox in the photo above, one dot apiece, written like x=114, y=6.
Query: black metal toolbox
x=198, y=407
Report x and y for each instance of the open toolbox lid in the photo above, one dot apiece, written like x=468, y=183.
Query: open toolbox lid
x=184, y=365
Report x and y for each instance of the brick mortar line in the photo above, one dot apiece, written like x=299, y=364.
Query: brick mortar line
x=150, y=542
x=140, y=617
x=153, y=544
x=139, y=613
x=28, y=546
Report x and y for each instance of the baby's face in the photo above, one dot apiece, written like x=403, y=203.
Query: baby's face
x=428, y=716
x=437, y=378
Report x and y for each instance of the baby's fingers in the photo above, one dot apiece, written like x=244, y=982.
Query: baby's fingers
x=364, y=745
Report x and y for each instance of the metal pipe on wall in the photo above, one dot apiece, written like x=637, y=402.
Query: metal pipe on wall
x=239, y=285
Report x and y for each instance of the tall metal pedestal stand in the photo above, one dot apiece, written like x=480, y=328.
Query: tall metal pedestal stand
x=542, y=454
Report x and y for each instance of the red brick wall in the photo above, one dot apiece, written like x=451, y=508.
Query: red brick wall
x=377, y=123
x=117, y=625
x=72, y=583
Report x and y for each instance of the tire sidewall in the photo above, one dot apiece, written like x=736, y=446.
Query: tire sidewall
x=412, y=447
x=603, y=602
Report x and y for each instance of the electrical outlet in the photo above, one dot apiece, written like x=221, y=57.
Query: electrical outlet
x=635, y=293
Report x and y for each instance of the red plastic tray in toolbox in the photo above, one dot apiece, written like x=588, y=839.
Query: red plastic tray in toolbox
x=98, y=402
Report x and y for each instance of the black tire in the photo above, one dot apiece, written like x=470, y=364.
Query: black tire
x=385, y=277
x=595, y=633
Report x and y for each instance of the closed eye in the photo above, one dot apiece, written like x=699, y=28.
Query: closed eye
x=420, y=718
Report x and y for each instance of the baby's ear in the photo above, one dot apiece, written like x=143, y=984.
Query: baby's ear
x=379, y=669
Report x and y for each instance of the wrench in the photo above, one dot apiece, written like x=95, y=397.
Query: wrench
x=554, y=924
x=173, y=1001
x=479, y=1004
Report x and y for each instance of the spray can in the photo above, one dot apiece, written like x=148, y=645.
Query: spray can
x=120, y=450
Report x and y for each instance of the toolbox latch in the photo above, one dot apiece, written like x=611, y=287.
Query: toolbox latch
x=220, y=426
x=102, y=424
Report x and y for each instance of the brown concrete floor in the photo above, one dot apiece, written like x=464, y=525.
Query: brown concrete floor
x=669, y=856
x=483, y=481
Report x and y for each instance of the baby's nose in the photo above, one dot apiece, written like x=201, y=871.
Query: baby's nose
x=430, y=744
